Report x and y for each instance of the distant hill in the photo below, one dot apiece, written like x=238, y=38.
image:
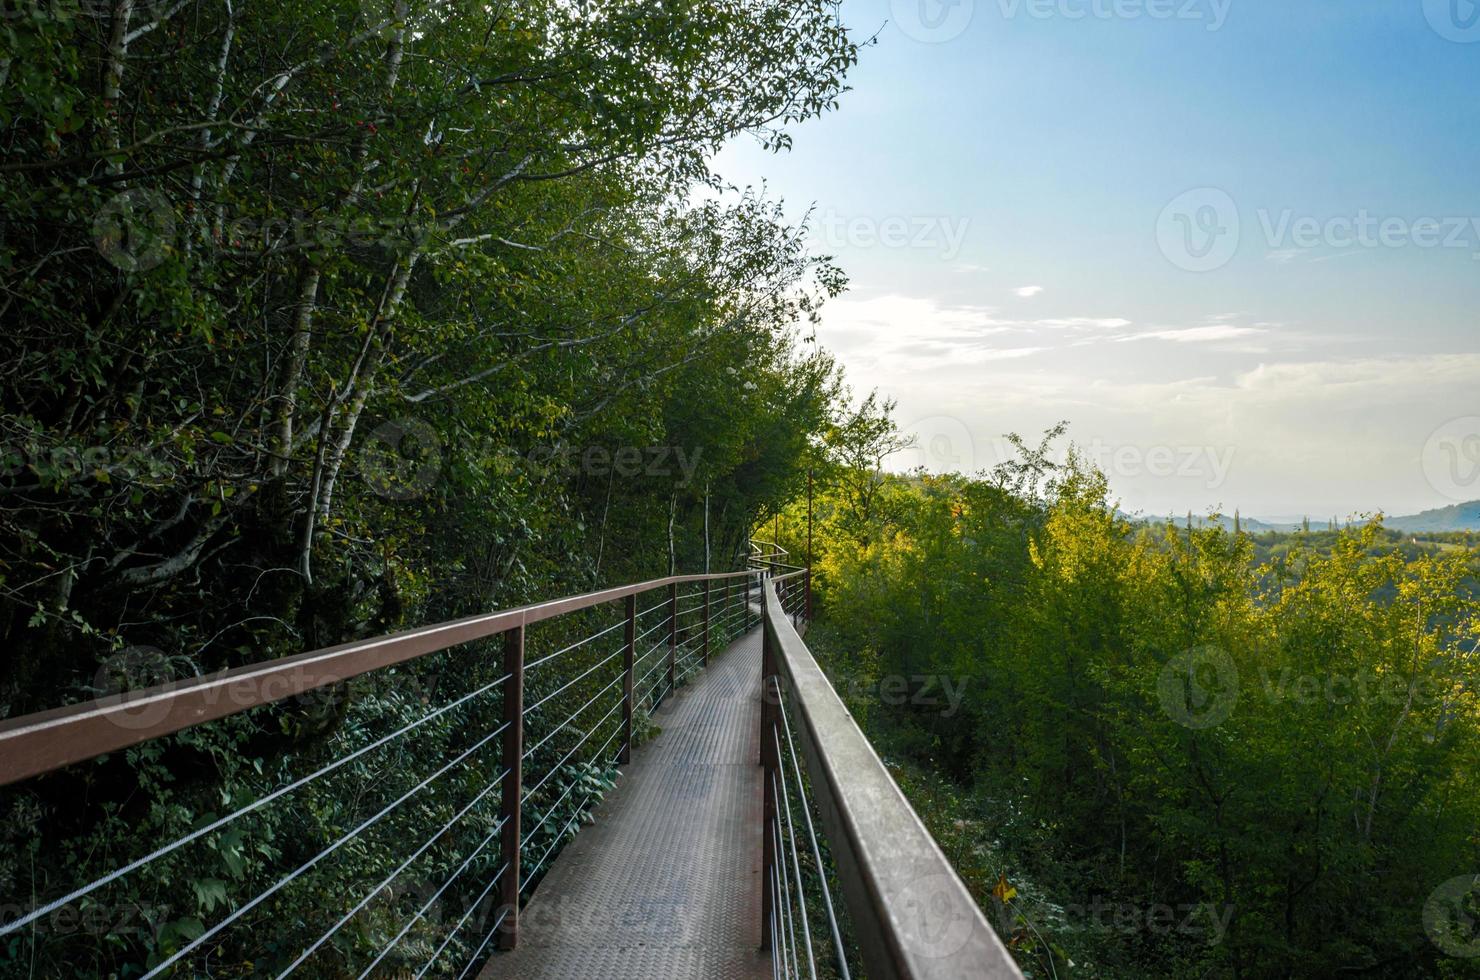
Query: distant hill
x=1254, y=525
x=1460, y=517
x=1249, y=524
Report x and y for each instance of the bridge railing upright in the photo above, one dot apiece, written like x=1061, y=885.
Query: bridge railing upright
x=853, y=882
x=465, y=754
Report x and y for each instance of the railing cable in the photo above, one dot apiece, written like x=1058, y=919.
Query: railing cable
x=796, y=861
x=492, y=785
x=579, y=677
x=437, y=953
x=582, y=642
x=832, y=916
x=220, y=822
x=555, y=768
x=302, y=868
x=562, y=726
x=498, y=826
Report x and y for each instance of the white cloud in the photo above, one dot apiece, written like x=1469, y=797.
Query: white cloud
x=1197, y=335
x=1028, y=292
x=1077, y=323
x=1008, y=353
x=916, y=333
x=1327, y=435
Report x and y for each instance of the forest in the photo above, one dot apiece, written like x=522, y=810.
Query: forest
x=334, y=317
x=329, y=318
x=1156, y=750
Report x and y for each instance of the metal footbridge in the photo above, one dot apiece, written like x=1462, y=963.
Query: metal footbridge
x=655, y=780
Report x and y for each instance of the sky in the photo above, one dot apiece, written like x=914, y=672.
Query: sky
x=1234, y=243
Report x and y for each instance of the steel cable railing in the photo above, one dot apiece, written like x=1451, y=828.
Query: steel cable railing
x=222, y=822
x=803, y=864
x=788, y=762
x=854, y=883
x=449, y=818
x=271, y=890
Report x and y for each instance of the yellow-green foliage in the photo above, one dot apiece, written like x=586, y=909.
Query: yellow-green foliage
x=1150, y=718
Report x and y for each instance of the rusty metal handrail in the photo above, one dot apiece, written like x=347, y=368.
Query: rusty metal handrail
x=771, y=559
x=34, y=744
x=39, y=743
x=913, y=917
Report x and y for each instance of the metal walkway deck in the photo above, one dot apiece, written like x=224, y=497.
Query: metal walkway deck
x=667, y=882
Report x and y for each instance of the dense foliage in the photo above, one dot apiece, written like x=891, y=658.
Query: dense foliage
x=1163, y=756
x=332, y=316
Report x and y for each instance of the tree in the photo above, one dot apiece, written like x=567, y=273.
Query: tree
x=858, y=443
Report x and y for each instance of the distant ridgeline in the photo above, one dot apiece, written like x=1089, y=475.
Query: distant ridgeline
x=1443, y=520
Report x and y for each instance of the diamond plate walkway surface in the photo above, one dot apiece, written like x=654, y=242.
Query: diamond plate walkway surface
x=667, y=882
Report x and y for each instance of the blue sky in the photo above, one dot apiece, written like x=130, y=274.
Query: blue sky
x=1235, y=243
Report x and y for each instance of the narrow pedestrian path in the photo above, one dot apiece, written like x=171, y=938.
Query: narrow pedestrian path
x=667, y=882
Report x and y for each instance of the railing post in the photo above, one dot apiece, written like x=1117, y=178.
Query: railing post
x=629, y=659
x=511, y=796
x=757, y=585
x=672, y=634
x=706, y=624
x=768, y=767
x=768, y=669
x=809, y=544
